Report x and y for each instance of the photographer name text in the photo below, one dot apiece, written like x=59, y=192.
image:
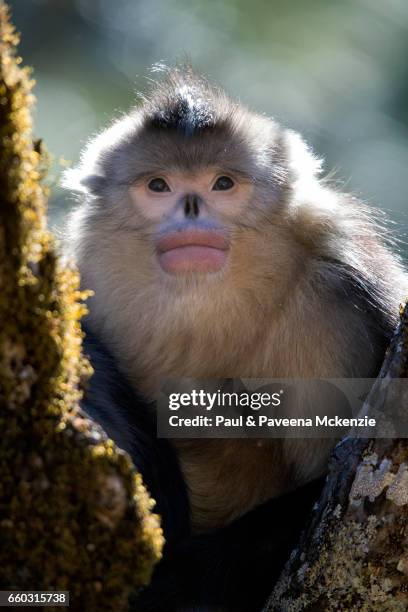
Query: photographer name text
x=260, y=420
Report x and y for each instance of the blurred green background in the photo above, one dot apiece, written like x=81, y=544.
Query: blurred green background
x=336, y=70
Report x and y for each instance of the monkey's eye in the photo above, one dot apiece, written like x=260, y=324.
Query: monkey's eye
x=223, y=183
x=158, y=185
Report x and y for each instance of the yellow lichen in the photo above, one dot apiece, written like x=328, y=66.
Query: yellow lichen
x=74, y=514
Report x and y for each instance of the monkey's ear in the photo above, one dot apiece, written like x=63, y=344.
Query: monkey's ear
x=74, y=179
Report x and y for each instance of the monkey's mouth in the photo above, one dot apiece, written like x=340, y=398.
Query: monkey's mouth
x=192, y=251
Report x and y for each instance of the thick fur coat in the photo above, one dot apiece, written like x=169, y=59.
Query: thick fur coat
x=310, y=290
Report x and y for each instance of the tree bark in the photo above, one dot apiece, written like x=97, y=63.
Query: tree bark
x=354, y=553
x=74, y=515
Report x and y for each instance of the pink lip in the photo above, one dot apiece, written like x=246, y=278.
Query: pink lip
x=192, y=251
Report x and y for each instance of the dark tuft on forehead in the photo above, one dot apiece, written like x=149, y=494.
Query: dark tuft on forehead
x=181, y=103
x=185, y=114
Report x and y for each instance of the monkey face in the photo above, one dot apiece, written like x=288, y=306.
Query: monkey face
x=191, y=214
x=186, y=192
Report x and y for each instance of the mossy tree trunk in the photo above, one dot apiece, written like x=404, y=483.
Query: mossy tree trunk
x=354, y=554
x=74, y=515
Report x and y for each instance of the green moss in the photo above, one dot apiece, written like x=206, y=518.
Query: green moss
x=73, y=513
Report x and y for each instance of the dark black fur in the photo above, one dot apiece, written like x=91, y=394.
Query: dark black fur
x=183, y=115
x=182, y=105
x=235, y=568
x=232, y=569
x=130, y=421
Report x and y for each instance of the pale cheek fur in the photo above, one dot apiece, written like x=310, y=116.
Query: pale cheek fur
x=231, y=207
x=151, y=209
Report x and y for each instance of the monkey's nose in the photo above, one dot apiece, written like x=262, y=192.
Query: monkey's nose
x=191, y=206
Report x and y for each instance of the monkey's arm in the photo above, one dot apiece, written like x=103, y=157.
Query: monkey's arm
x=130, y=421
